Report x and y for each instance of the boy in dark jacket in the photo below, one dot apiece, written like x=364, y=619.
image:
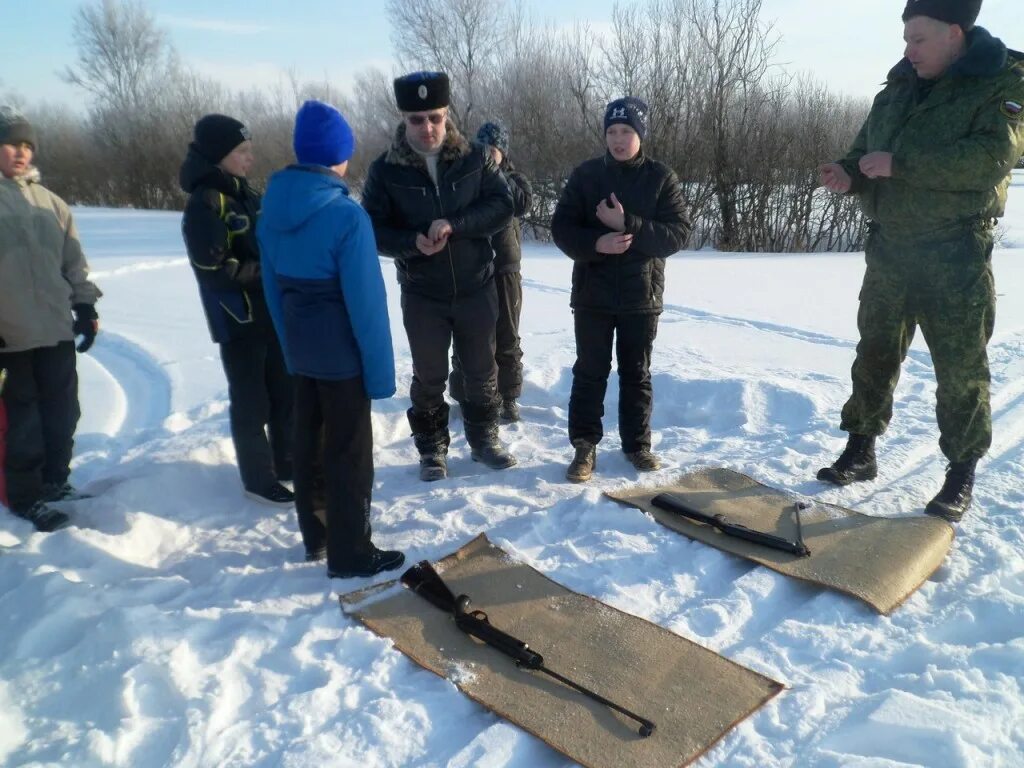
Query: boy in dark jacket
x=619, y=217
x=219, y=231
x=326, y=295
x=508, y=279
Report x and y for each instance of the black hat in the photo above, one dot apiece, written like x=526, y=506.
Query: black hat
x=216, y=135
x=15, y=128
x=422, y=91
x=628, y=111
x=962, y=12
x=493, y=134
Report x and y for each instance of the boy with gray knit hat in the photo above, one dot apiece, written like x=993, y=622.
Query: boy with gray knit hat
x=47, y=301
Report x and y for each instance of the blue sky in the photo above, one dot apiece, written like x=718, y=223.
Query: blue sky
x=848, y=44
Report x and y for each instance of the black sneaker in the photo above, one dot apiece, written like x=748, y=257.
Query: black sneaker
x=275, y=496
x=955, y=497
x=509, y=410
x=643, y=460
x=433, y=466
x=44, y=518
x=855, y=463
x=369, y=564
x=584, y=462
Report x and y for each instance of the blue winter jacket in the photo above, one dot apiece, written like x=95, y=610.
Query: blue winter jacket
x=323, y=282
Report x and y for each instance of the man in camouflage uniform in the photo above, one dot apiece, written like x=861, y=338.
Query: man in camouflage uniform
x=931, y=166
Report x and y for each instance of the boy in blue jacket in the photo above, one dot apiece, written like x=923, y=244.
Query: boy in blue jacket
x=325, y=292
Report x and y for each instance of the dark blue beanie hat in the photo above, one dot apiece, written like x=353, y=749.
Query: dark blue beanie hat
x=322, y=136
x=493, y=135
x=628, y=111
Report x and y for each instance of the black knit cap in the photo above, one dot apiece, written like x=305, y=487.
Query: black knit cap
x=961, y=12
x=15, y=128
x=216, y=135
x=422, y=91
x=629, y=111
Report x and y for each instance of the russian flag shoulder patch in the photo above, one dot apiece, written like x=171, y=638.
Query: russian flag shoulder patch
x=1012, y=109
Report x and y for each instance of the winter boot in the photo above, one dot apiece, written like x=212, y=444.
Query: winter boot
x=955, y=497
x=644, y=460
x=368, y=563
x=45, y=519
x=481, y=422
x=430, y=433
x=584, y=463
x=274, y=496
x=510, y=410
x=62, y=492
x=857, y=462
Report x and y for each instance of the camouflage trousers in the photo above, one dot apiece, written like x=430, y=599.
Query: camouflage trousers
x=946, y=288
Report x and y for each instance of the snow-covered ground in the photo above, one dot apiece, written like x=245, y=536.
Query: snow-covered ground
x=179, y=626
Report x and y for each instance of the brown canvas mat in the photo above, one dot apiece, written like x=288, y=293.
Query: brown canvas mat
x=877, y=559
x=692, y=694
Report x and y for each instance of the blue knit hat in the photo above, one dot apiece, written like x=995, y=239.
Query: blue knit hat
x=493, y=135
x=628, y=111
x=322, y=135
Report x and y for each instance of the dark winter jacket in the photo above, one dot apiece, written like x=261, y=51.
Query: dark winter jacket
x=655, y=215
x=323, y=281
x=508, y=244
x=954, y=142
x=402, y=202
x=219, y=227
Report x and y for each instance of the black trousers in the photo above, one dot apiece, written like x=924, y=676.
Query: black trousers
x=333, y=467
x=260, y=394
x=633, y=335
x=432, y=327
x=508, y=351
x=41, y=400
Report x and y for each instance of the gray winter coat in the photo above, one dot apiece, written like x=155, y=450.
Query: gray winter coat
x=43, y=271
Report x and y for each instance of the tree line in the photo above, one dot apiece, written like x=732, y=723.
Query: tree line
x=743, y=136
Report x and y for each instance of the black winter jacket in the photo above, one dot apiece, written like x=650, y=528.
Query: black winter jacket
x=402, y=201
x=634, y=281
x=508, y=244
x=219, y=228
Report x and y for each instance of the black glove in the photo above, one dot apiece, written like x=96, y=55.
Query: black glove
x=87, y=323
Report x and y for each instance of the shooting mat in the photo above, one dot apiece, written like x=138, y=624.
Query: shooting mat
x=693, y=695
x=876, y=559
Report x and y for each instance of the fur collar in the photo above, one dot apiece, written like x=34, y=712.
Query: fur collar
x=455, y=147
x=31, y=176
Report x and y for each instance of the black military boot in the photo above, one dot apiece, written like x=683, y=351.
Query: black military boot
x=481, y=422
x=955, y=497
x=430, y=433
x=582, y=467
x=45, y=518
x=643, y=460
x=855, y=463
x=510, y=410
x=367, y=563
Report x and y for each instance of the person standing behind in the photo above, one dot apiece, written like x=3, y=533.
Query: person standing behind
x=435, y=201
x=326, y=295
x=219, y=230
x=931, y=166
x=44, y=282
x=508, y=278
x=619, y=217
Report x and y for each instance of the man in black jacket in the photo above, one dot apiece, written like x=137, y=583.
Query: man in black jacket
x=619, y=217
x=435, y=201
x=219, y=228
x=508, y=279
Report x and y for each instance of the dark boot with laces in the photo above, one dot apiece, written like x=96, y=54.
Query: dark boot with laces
x=643, y=460
x=856, y=463
x=45, y=518
x=955, y=497
x=583, y=464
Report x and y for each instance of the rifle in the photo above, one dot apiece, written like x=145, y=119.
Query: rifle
x=672, y=503
x=428, y=584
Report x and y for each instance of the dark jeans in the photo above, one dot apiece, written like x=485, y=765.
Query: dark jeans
x=260, y=393
x=432, y=327
x=634, y=340
x=508, y=352
x=333, y=466
x=41, y=401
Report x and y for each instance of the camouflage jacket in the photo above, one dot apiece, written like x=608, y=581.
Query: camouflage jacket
x=953, y=143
